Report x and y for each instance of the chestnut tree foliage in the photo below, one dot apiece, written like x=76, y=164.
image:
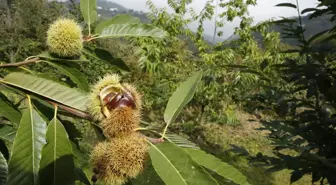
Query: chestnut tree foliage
x=38, y=114
x=305, y=107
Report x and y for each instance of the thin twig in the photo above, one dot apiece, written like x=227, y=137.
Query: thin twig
x=155, y=140
x=17, y=64
x=73, y=111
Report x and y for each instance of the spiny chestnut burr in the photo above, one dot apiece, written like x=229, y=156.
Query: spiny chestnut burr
x=117, y=106
x=119, y=159
x=64, y=38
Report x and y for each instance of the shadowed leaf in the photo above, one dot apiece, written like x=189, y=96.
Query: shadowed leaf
x=48, y=56
x=8, y=110
x=57, y=164
x=3, y=170
x=74, y=74
x=7, y=133
x=291, y=5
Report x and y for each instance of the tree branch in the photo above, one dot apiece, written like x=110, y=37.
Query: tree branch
x=17, y=64
x=73, y=111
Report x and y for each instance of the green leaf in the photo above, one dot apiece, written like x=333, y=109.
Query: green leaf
x=57, y=164
x=21, y=69
x=46, y=55
x=4, y=149
x=46, y=110
x=329, y=38
x=209, y=161
x=317, y=36
x=308, y=10
x=80, y=175
x=260, y=75
x=48, y=89
x=7, y=133
x=26, y=151
x=318, y=13
x=180, y=141
x=103, y=55
x=283, y=21
x=89, y=11
x=291, y=5
x=148, y=176
x=3, y=170
x=176, y=167
x=132, y=30
x=183, y=94
x=118, y=19
x=8, y=110
x=74, y=74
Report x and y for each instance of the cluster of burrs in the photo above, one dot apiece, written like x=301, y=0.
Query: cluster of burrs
x=117, y=108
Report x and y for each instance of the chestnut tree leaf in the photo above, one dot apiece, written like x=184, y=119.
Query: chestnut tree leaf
x=25, y=157
x=175, y=167
x=183, y=94
x=57, y=163
x=48, y=89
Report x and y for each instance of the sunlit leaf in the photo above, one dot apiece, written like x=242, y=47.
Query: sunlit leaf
x=180, y=141
x=89, y=11
x=57, y=164
x=48, y=89
x=25, y=157
x=176, y=167
x=183, y=94
x=214, y=164
x=132, y=30
x=118, y=19
x=3, y=170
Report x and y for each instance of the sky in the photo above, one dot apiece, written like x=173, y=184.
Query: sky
x=264, y=10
